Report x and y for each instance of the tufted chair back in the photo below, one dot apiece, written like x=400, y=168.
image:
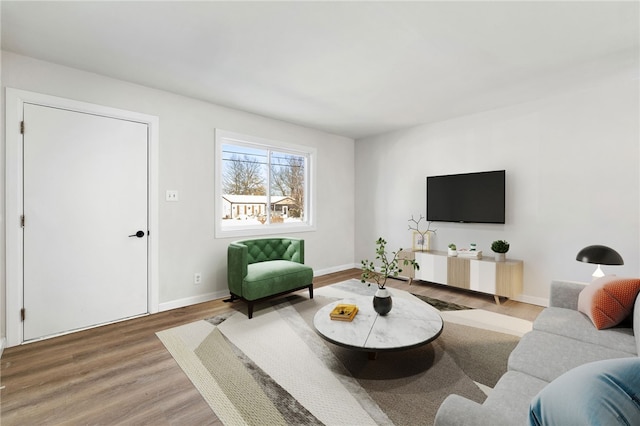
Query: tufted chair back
x=263, y=249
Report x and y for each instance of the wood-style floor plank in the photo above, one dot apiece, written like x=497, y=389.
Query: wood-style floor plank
x=122, y=374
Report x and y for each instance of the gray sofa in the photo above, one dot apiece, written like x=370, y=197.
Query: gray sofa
x=562, y=339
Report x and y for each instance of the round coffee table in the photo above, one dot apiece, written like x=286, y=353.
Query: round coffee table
x=409, y=324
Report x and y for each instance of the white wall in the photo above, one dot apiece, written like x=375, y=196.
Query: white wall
x=187, y=242
x=3, y=267
x=573, y=179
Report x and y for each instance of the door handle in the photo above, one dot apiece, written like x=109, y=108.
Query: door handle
x=138, y=234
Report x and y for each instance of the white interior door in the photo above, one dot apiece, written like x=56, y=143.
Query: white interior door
x=85, y=193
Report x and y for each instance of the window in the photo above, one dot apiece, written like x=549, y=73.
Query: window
x=262, y=186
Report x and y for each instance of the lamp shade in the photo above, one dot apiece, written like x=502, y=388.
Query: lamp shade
x=601, y=255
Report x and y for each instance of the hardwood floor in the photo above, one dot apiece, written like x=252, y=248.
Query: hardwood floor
x=122, y=374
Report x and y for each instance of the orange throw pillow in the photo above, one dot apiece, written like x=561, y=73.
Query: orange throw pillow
x=608, y=300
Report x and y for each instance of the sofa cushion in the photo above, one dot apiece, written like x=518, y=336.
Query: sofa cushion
x=457, y=410
x=275, y=276
x=512, y=395
x=599, y=393
x=546, y=355
x=609, y=300
x=576, y=325
x=564, y=294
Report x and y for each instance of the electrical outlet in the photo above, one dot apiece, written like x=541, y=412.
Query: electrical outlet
x=197, y=278
x=172, y=195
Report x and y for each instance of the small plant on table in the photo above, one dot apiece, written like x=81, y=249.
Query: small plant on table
x=390, y=265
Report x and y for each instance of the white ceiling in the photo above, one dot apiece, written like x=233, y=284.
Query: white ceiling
x=349, y=68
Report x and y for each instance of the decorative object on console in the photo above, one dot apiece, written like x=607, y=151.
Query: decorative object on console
x=421, y=239
x=500, y=248
x=421, y=242
x=390, y=267
x=600, y=255
x=472, y=253
x=608, y=300
x=453, y=250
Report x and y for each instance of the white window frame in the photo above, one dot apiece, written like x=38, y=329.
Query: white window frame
x=226, y=137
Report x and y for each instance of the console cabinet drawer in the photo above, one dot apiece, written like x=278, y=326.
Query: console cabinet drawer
x=433, y=267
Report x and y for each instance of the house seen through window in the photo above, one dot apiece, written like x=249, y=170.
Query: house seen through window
x=263, y=185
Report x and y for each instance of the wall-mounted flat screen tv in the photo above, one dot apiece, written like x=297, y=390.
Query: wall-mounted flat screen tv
x=469, y=197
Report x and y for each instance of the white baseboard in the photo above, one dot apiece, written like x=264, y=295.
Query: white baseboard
x=193, y=300
x=532, y=300
x=318, y=272
x=188, y=301
x=3, y=344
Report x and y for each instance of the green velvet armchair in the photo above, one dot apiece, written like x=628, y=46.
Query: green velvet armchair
x=263, y=268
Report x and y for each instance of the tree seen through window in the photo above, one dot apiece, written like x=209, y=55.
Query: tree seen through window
x=249, y=174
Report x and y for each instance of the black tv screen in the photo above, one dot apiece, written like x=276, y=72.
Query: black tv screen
x=470, y=197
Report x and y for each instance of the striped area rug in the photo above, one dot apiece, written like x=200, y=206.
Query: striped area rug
x=274, y=369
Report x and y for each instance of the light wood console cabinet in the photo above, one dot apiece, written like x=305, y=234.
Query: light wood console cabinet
x=502, y=279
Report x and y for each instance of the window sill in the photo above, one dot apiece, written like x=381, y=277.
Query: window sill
x=251, y=231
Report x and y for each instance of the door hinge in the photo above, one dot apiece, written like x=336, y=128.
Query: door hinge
x=22, y=127
x=22, y=221
x=22, y=314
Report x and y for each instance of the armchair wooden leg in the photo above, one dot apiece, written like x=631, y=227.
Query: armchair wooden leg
x=250, y=309
x=311, y=291
x=231, y=298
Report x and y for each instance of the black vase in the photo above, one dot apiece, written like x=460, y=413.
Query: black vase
x=382, y=302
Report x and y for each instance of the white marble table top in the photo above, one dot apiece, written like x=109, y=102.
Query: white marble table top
x=409, y=324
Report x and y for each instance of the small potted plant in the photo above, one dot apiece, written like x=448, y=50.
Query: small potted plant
x=500, y=248
x=390, y=267
x=453, y=250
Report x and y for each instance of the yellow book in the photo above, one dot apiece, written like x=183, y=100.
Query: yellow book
x=344, y=312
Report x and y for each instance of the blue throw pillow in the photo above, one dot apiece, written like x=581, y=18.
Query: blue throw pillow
x=598, y=393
